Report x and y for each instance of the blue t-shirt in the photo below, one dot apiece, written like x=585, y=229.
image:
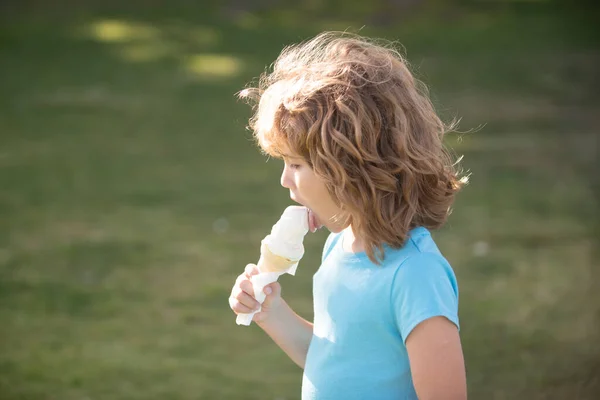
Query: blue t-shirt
x=363, y=314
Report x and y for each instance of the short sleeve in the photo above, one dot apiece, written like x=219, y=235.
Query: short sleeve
x=424, y=286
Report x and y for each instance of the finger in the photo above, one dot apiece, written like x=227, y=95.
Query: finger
x=246, y=286
x=238, y=307
x=272, y=291
x=251, y=269
x=247, y=300
x=240, y=278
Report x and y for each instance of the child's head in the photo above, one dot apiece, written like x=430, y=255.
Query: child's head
x=365, y=129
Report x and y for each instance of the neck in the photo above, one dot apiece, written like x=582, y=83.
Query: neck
x=351, y=243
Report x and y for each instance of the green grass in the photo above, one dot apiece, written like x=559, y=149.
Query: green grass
x=131, y=197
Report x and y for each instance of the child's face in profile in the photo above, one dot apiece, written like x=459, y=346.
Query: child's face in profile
x=309, y=190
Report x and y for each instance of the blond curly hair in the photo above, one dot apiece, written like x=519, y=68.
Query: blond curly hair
x=350, y=107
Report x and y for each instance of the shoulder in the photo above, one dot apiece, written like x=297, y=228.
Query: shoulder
x=421, y=241
x=422, y=253
x=421, y=265
x=423, y=286
x=419, y=249
x=423, y=268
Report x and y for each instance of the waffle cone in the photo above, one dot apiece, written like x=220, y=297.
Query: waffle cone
x=270, y=262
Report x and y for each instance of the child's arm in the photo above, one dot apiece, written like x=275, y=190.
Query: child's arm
x=426, y=304
x=436, y=360
x=290, y=331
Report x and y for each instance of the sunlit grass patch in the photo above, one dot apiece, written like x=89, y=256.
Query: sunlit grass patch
x=123, y=31
x=217, y=66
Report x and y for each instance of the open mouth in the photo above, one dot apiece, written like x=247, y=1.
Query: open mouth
x=314, y=222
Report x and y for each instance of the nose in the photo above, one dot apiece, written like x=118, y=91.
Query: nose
x=286, y=180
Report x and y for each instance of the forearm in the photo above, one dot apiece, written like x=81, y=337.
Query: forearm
x=290, y=331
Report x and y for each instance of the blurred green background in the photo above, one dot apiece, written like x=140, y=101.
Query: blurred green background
x=131, y=195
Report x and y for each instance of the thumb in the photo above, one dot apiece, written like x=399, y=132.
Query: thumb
x=273, y=292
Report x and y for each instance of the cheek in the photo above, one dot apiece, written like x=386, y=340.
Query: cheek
x=319, y=194
x=306, y=184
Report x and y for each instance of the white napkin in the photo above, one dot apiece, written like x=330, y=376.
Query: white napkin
x=259, y=281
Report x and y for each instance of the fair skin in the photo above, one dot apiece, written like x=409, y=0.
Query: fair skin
x=434, y=348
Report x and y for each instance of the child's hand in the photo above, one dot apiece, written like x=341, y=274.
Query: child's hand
x=242, y=300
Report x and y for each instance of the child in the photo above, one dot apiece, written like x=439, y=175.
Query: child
x=362, y=150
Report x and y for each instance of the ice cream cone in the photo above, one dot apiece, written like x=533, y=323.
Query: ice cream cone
x=280, y=253
x=271, y=262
